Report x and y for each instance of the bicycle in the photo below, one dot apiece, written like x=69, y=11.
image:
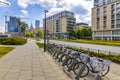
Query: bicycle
x=94, y=64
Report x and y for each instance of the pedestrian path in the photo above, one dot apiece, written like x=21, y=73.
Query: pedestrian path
x=28, y=62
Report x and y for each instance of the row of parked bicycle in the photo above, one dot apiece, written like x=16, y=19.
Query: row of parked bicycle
x=76, y=60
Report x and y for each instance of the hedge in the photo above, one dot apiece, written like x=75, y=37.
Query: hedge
x=12, y=41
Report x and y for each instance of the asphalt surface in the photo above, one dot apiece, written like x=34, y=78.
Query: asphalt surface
x=102, y=48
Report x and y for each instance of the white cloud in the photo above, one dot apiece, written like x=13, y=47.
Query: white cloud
x=43, y=3
x=24, y=12
x=81, y=8
x=4, y=3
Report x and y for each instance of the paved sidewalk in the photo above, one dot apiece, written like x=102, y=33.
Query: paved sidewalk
x=28, y=62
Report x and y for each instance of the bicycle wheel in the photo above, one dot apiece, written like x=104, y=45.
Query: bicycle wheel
x=69, y=61
x=77, y=68
x=105, y=72
x=63, y=57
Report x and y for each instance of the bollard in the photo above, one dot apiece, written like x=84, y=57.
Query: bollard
x=97, y=77
x=80, y=72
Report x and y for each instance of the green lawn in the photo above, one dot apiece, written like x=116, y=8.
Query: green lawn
x=5, y=50
x=40, y=45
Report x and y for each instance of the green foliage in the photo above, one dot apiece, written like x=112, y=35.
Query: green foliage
x=113, y=57
x=82, y=33
x=79, y=34
x=12, y=41
x=29, y=34
x=5, y=50
x=23, y=26
x=40, y=45
x=73, y=33
x=40, y=33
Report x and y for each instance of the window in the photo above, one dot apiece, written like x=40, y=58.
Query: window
x=112, y=26
x=118, y=16
x=118, y=10
x=105, y=18
x=118, y=21
x=112, y=22
x=118, y=26
x=118, y=5
x=112, y=17
x=112, y=6
x=113, y=11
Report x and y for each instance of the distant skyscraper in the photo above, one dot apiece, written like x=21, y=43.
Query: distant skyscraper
x=37, y=24
x=13, y=25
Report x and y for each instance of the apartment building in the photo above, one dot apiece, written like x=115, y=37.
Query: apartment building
x=106, y=20
x=80, y=26
x=60, y=24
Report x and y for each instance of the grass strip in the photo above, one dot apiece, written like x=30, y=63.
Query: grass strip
x=40, y=45
x=5, y=50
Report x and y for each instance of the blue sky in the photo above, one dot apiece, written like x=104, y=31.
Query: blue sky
x=34, y=9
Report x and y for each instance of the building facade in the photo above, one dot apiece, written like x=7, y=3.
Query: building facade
x=60, y=24
x=106, y=21
x=80, y=26
x=37, y=24
x=13, y=25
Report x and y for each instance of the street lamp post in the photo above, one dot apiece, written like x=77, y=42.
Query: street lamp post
x=45, y=11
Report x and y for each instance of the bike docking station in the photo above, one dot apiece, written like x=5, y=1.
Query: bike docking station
x=78, y=65
x=97, y=77
x=80, y=72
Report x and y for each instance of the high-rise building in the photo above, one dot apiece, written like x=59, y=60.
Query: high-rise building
x=13, y=25
x=37, y=24
x=60, y=24
x=106, y=20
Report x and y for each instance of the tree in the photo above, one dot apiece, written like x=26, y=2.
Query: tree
x=22, y=26
x=84, y=33
x=79, y=34
x=90, y=32
x=40, y=33
x=29, y=34
x=73, y=33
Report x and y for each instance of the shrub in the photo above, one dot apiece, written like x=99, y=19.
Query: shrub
x=13, y=41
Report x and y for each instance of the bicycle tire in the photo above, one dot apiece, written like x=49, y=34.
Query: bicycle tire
x=78, y=66
x=108, y=69
x=69, y=61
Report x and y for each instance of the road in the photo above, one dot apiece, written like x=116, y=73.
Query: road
x=104, y=48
